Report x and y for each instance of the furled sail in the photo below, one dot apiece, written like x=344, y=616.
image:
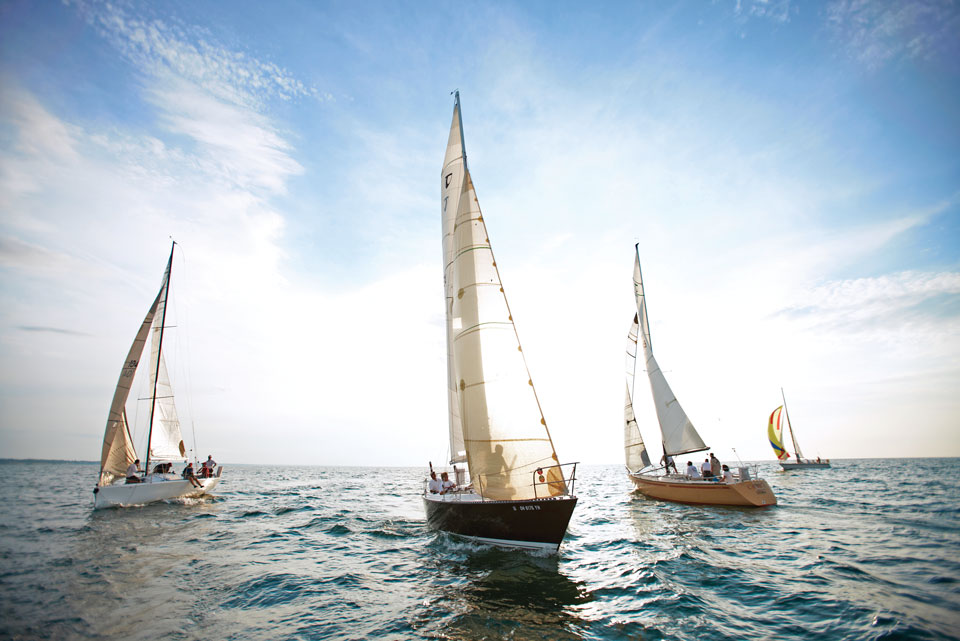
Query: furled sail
x=633, y=447
x=118, y=452
x=504, y=434
x=775, y=434
x=679, y=434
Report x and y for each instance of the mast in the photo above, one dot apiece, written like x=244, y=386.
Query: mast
x=463, y=145
x=156, y=374
x=796, y=448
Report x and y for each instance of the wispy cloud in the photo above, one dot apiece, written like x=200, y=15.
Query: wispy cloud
x=877, y=32
x=160, y=47
x=52, y=330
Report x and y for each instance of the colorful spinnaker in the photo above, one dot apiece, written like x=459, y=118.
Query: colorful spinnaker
x=775, y=434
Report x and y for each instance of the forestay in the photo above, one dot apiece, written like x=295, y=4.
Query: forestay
x=634, y=449
x=679, y=434
x=493, y=402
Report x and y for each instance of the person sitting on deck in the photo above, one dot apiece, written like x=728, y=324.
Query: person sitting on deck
x=435, y=486
x=190, y=476
x=446, y=484
x=692, y=471
x=163, y=468
x=706, y=468
x=132, y=470
x=727, y=476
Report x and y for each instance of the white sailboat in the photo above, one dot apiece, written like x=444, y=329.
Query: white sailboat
x=775, y=435
x=679, y=436
x=517, y=495
x=164, y=441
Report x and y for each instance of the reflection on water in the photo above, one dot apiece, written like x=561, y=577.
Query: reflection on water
x=865, y=550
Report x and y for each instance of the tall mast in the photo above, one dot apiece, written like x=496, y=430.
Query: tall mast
x=796, y=448
x=463, y=145
x=156, y=374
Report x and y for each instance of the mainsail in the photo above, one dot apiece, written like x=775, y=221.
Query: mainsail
x=495, y=417
x=118, y=452
x=634, y=449
x=793, y=436
x=775, y=434
x=679, y=434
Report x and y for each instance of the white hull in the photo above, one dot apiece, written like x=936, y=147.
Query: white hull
x=154, y=489
x=805, y=465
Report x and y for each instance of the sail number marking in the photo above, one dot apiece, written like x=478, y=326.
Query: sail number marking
x=524, y=508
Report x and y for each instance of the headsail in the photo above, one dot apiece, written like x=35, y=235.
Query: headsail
x=679, y=434
x=166, y=441
x=634, y=449
x=775, y=434
x=118, y=452
x=503, y=431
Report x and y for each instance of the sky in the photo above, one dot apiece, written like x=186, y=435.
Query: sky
x=790, y=173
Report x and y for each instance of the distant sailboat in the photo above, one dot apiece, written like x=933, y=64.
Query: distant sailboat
x=678, y=434
x=164, y=440
x=775, y=435
x=517, y=494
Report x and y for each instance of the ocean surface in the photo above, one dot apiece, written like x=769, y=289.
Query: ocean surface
x=867, y=550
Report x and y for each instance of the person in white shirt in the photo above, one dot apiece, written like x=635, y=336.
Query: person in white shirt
x=706, y=469
x=446, y=484
x=727, y=476
x=208, y=467
x=435, y=486
x=132, y=470
x=692, y=471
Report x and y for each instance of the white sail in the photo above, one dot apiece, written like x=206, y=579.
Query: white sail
x=634, y=449
x=504, y=433
x=793, y=437
x=679, y=434
x=166, y=441
x=451, y=186
x=118, y=452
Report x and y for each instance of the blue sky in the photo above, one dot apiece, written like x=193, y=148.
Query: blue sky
x=790, y=172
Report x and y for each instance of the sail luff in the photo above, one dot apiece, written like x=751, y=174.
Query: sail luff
x=451, y=187
x=679, y=434
x=164, y=290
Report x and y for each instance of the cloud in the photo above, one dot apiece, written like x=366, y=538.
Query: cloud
x=52, y=330
x=161, y=47
x=880, y=32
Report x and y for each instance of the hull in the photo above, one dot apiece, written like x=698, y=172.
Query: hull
x=123, y=495
x=535, y=524
x=805, y=465
x=753, y=493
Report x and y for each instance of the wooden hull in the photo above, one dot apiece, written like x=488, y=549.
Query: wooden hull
x=124, y=495
x=535, y=524
x=805, y=465
x=753, y=493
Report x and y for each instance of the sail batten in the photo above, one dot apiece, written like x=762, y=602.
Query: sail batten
x=495, y=422
x=679, y=434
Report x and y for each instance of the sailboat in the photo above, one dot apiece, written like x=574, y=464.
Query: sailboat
x=164, y=441
x=678, y=434
x=775, y=434
x=511, y=491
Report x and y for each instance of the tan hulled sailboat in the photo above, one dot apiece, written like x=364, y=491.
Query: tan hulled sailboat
x=678, y=434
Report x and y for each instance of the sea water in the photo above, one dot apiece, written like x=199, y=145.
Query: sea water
x=869, y=549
